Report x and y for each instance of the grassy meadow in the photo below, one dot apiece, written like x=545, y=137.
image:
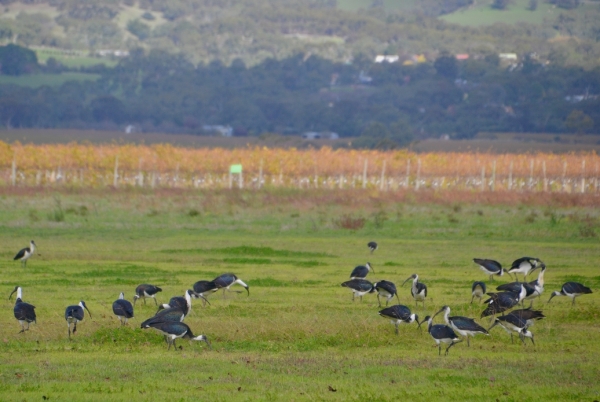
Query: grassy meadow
x=298, y=335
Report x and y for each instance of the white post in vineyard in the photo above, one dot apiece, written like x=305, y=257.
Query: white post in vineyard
x=564, y=176
x=510, y=179
x=260, y=174
x=13, y=174
x=494, y=175
x=583, y=176
x=116, y=174
x=364, y=183
x=383, y=175
x=483, y=178
x=407, y=173
x=530, y=175
x=545, y=179
x=418, y=184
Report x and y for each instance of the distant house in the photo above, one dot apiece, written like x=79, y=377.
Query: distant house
x=388, y=59
x=110, y=53
x=462, y=56
x=415, y=59
x=311, y=135
x=508, y=56
x=225, y=131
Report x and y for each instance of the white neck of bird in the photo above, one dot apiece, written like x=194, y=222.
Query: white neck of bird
x=446, y=315
x=19, y=293
x=32, y=247
x=121, y=296
x=541, y=278
x=241, y=283
x=188, y=299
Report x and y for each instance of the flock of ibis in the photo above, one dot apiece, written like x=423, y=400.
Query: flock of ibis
x=169, y=318
x=510, y=296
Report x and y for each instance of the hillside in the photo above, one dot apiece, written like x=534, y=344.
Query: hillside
x=340, y=30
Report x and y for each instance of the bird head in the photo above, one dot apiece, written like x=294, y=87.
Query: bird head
x=16, y=289
x=526, y=334
x=413, y=276
x=162, y=307
x=202, y=338
x=82, y=304
x=442, y=310
x=135, y=298
x=426, y=319
x=415, y=318
x=555, y=293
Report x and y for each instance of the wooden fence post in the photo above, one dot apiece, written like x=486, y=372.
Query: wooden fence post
x=510, y=179
x=260, y=174
x=483, y=178
x=530, y=174
x=494, y=175
x=545, y=179
x=564, y=176
x=407, y=173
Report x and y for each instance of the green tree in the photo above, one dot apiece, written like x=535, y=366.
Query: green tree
x=579, y=122
x=17, y=60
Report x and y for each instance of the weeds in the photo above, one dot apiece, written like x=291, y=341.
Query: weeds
x=379, y=218
x=57, y=214
x=349, y=222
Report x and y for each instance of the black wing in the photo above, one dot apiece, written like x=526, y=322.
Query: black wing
x=123, y=308
x=21, y=253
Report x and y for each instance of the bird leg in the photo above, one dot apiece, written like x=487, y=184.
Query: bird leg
x=468, y=343
x=448, y=348
x=397, y=333
x=439, y=349
x=511, y=338
x=379, y=300
x=74, y=328
x=155, y=302
x=472, y=297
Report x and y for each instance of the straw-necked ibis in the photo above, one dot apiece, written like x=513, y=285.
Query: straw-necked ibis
x=478, y=289
x=24, y=312
x=399, y=314
x=372, y=246
x=525, y=265
x=74, y=314
x=385, y=289
x=204, y=289
x=122, y=309
x=173, y=330
x=572, y=290
x=361, y=271
x=490, y=267
x=441, y=333
x=359, y=287
x=463, y=325
x=145, y=290
x=225, y=281
x=418, y=289
x=25, y=254
x=500, y=302
x=512, y=323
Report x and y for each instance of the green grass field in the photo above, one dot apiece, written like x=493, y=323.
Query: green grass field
x=482, y=13
x=298, y=336
x=72, y=60
x=52, y=80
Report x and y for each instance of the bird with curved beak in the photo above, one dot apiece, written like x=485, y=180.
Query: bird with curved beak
x=359, y=287
x=572, y=290
x=74, y=314
x=490, y=267
x=184, y=302
x=512, y=323
x=463, y=325
x=174, y=330
x=478, y=290
x=441, y=333
x=418, y=289
x=400, y=314
x=24, y=312
x=225, y=281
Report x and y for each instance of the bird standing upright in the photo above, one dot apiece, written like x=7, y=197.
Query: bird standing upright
x=24, y=312
x=74, y=314
x=418, y=289
x=572, y=290
x=372, y=246
x=146, y=290
x=122, y=309
x=25, y=254
x=361, y=271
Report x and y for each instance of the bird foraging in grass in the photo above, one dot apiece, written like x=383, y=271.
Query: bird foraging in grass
x=572, y=290
x=74, y=314
x=359, y=287
x=400, y=314
x=24, y=312
x=122, y=309
x=372, y=246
